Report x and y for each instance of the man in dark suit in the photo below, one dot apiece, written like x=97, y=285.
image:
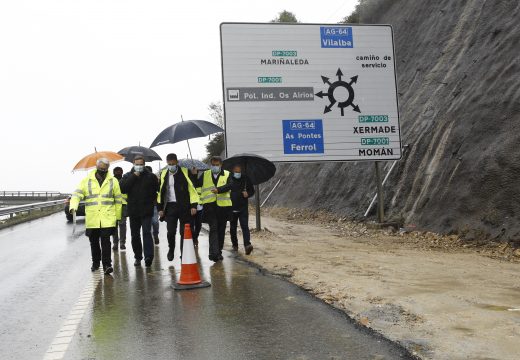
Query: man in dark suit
x=177, y=200
x=141, y=186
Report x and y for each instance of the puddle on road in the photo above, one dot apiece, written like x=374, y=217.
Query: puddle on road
x=498, y=307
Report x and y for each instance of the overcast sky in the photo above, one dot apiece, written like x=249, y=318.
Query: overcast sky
x=75, y=75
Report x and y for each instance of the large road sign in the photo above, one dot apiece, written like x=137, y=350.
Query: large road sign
x=310, y=92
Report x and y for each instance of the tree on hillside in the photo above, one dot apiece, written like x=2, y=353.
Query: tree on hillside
x=216, y=145
x=285, y=17
x=368, y=11
x=353, y=18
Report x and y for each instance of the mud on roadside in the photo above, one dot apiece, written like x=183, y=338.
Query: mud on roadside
x=406, y=237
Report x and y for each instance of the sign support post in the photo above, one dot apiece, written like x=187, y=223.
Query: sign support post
x=380, y=201
x=257, y=205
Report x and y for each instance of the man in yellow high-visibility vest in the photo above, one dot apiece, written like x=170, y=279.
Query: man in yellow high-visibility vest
x=103, y=202
x=216, y=200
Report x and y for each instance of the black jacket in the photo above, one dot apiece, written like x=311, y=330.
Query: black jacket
x=240, y=203
x=142, y=192
x=182, y=193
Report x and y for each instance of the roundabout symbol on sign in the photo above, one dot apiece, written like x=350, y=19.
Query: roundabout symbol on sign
x=336, y=86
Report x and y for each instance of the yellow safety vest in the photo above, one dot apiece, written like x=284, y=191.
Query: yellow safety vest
x=103, y=204
x=207, y=196
x=194, y=197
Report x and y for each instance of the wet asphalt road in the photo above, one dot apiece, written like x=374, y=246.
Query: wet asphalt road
x=135, y=314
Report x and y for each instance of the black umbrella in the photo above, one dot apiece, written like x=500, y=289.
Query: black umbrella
x=186, y=130
x=191, y=163
x=131, y=151
x=257, y=168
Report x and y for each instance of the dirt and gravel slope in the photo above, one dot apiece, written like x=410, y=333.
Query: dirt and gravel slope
x=440, y=297
x=458, y=69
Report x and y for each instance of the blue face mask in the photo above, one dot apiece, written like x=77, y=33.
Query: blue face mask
x=139, y=168
x=237, y=175
x=215, y=169
x=172, y=168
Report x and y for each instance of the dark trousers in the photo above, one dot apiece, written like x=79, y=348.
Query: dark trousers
x=174, y=215
x=121, y=236
x=196, y=226
x=136, y=223
x=217, y=221
x=155, y=222
x=243, y=218
x=102, y=252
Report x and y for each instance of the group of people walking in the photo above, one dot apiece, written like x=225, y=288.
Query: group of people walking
x=176, y=195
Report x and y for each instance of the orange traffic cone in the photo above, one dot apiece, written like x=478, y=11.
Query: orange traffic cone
x=190, y=277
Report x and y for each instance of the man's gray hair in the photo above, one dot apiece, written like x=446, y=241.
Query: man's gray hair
x=102, y=161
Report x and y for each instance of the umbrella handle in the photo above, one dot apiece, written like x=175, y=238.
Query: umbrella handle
x=245, y=171
x=189, y=148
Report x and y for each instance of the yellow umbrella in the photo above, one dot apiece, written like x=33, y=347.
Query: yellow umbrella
x=89, y=161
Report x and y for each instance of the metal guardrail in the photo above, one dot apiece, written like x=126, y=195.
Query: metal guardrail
x=45, y=194
x=12, y=210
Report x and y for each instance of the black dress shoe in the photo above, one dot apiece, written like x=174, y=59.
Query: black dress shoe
x=137, y=263
x=249, y=249
x=214, y=259
x=156, y=239
x=115, y=247
x=220, y=257
x=122, y=247
x=94, y=267
x=108, y=269
x=170, y=255
x=148, y=262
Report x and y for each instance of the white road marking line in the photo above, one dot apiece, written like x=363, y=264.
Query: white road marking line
x=63, y=338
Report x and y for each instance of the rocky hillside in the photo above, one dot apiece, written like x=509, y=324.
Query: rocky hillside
x=458, y=66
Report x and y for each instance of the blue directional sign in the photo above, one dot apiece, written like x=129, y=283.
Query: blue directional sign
x=336, y=37
x=303, y=136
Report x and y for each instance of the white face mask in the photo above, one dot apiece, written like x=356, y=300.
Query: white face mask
x=139, y=168
x=172, y=168
x=215, y=169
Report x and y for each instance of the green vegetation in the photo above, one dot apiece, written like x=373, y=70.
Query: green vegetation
x=285, y=17
x=216, y=145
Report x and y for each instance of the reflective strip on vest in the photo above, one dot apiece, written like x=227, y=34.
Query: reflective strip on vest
x=91, y=203
x=209, y=197
x=111, y=191
x=90, y=187
x=107, y=202
x=90, y=197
